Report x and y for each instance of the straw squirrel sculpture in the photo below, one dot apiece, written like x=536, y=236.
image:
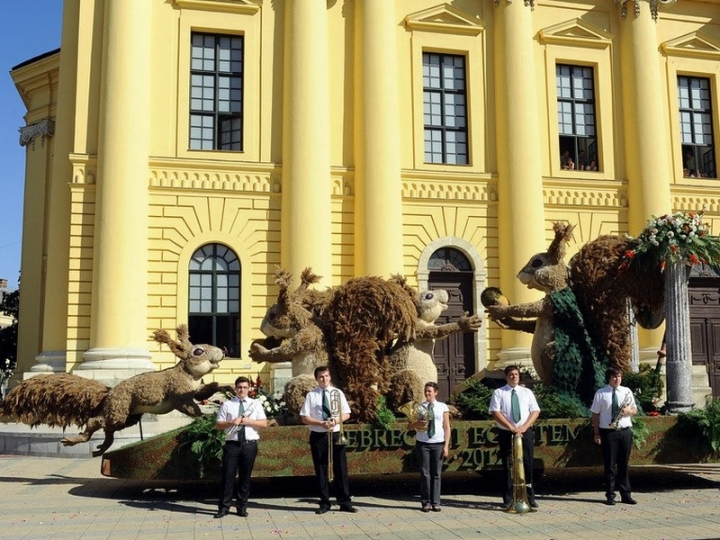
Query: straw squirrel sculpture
x=582, y=324
x=64, y=399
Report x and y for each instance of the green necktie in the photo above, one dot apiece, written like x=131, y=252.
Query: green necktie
x=431, y=421
x=326, y=406
x=615, y=406
x=241, y=431
x=515, y=406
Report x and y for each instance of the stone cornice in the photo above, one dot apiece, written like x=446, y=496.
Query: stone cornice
x=247, y=7
x=445, y=19
x=43, y=128
x=446, y=186
x=586, y=194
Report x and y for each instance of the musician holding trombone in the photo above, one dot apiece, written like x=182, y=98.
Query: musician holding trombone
x=515, y=410
x=612, y=408
x=324, y=411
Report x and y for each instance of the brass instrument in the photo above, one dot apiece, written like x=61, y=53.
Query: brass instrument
x=626, y=403
x=335, y=411
x=414, y=412
x=520, y=503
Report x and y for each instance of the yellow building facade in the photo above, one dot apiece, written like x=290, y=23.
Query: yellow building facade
x=191, y=146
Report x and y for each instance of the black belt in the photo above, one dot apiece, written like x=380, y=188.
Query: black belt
x=239, y=442
x=610, y=430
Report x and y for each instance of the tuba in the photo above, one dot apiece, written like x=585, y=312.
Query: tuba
x=520, y=503
x=335, y=411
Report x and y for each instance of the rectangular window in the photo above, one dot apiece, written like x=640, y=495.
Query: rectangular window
x=576, y=117
x=445, y=109
x=216, y=92
x=696, y=127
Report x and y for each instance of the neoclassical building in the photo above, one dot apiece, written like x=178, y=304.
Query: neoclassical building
x=179, y=150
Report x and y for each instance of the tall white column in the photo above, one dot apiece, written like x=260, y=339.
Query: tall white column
x=119, y=309
x=378, y=194
x=306, y=190
x=679, y=351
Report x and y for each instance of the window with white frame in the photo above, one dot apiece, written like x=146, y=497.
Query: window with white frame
x=445, y=109
x=696, y=127
x=216, y=92
x=214, y=298
x=576, y=117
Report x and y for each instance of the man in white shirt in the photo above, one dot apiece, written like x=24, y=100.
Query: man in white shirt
x=515, y=410
x=318, y=414
x=240, y=418
x=612, y=408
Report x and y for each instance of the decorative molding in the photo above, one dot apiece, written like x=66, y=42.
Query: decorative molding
x=589, y=196
x=528, y=3
x=458, y=190
x=576, y=33
x=693, y=45
x=696, y=203
x=445, y=19
x=84, y=169
x=246, y=7
x=653, y=6
x=43, y=128
x=215, y=180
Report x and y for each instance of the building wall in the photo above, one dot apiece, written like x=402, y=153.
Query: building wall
x=196, y=197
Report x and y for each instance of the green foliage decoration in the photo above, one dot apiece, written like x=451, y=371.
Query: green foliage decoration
x=473, y=401
x=557, y=404
x=384, y=417
x=701, y=427
x=204, y=443
x=647, y=387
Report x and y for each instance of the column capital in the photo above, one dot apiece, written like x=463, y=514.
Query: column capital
x=43, y=128
x=653, y=6
x=528, y=3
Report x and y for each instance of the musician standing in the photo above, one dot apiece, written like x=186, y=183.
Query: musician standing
x=316, y=412
x=614, y=404
x=515, y=410
x=433, y=445
x=240, y=418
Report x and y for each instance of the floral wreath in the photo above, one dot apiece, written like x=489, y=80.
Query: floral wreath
x=681, y=236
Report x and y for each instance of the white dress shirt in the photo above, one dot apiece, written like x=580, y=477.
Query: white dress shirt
x=230, y=410
x=501, y=401
x=313, y=407
x=602, y=405
x=439, y=410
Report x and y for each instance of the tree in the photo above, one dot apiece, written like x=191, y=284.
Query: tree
x=10, y=306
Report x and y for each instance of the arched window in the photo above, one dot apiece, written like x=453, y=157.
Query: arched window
x=214, y=310
x=449, y=260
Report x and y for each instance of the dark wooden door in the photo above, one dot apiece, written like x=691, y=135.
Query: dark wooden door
x=454, y=356
x=704, y=302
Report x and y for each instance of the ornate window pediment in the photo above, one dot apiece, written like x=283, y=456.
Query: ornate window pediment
x=248, y=7
x=695, y=45
x=576, y=33
x=445, y=19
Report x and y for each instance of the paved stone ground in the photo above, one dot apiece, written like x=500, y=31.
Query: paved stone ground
x=53, y=498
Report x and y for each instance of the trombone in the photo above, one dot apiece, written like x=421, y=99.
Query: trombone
x=335, y=411
x=625, y=403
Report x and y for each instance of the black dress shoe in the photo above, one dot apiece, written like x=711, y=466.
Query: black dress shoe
x=436, y=508
x=627, y=499
x=221, y=514
x=348, y=508
x=610, y=502
x=533, y=504
x=242, y=512
x=425, y=508
x=323, y=509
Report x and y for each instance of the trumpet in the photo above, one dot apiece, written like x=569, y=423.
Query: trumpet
x=520, y=503
x=625, y=403
x=335, y=411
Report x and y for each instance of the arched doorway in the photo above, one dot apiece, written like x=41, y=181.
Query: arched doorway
x=454, y=357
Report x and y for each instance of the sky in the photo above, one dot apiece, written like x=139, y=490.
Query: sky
x=28, y=28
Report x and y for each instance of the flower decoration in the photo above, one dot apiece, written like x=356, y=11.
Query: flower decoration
x=681, y=236
x=273, y=406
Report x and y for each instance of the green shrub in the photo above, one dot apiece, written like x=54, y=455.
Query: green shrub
x=554, y=404
x=647, y=387
x=701, y=427
x=473, y=402
x=205, y=443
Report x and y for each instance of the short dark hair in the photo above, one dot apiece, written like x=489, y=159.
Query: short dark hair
x=319, y=370
x=432, y=384
x=508, y=369
x=242, y=379
x=612, y=372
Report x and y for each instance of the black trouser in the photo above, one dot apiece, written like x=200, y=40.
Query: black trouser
x=319, y=451
x=616, y=445
x=238, y=458
x=431, y=461
x=505, y=438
